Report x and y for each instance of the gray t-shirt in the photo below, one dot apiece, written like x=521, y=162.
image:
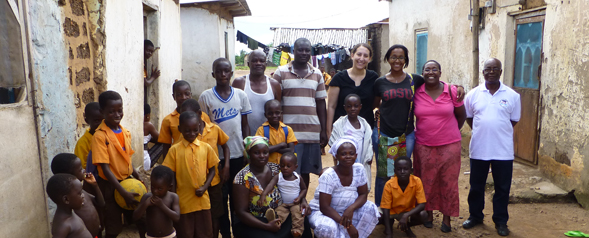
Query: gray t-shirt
x=227, y=114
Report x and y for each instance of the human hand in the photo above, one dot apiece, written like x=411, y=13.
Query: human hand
x=352, y=231
x=200, y=191
x=224, y=174
x=403, y=223
x=262, y=200
x=305, y=208
x=89, y=178
x=323, y=139
x=459, y=93
x=130, y=198
x=347, y=217
x=273, y=226
x=155, y=200
x=296, y=201
x=369, y=162
x=155, y=73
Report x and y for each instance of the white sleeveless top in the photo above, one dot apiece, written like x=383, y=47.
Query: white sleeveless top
x=289, y=189
x=257, y=101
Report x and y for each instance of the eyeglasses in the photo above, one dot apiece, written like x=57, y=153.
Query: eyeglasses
x=431, y=70
x=395, y=58
x=488, y=70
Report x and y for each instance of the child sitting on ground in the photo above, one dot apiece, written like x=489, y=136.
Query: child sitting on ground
x=214, y=136
x=161, y=206
x=293, y=190
x=65, y=190
x=356, y=127
x=66, y=163
x=281, y=137
x=194, y=164
x=93, y=117
x=403, y=199
x=150, y=134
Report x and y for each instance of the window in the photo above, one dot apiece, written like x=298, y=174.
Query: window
x=528, y=53
x=420, y=50
x=12, y=69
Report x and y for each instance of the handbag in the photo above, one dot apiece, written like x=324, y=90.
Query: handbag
x=391, y=148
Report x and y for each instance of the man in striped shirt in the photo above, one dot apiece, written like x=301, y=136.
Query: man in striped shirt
x=303, y=106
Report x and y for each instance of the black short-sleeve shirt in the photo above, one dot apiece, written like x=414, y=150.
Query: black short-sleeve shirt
x=348, y=86
x=396, y=104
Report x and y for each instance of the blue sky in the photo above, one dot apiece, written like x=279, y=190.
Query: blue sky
x=305, y=14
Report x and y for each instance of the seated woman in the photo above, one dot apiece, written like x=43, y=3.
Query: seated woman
x=249, y=184
x=340, y=208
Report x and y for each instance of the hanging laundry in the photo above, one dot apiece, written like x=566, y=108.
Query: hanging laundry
x=332, y=57
x=284, y=58
x=242, y=37
x=252, y=44
x=276, y=57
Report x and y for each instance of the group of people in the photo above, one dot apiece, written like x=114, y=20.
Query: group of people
x=215, y=169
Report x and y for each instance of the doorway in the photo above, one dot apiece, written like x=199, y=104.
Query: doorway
x=527, y=81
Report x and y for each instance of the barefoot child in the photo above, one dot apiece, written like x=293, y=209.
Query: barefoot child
x=150, y=134
x=292, y=189
x=111, y=153
x=93, y=117
x=66, y=191
x=66, y=163
x=194, y=164
x=280, y=136
x=227, y=107
x=214, y=136
x=403, y=199
x=161, y=206
x=356, y=127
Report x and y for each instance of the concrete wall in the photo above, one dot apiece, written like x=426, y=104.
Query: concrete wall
x=124, y=59
x=563, y=150
x=203, y=41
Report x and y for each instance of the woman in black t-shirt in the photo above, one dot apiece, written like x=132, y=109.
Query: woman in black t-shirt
x=357, y=80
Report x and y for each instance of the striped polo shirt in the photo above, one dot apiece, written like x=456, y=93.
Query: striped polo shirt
x=298, y=101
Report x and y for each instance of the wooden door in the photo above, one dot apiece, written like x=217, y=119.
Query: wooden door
x=526, y=81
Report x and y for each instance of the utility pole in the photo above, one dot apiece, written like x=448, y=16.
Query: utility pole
x=474, y=11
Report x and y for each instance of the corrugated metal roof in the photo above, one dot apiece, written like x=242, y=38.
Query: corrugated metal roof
x=337, y=36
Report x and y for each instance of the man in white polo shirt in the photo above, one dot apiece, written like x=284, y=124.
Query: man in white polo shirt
x=492, y=110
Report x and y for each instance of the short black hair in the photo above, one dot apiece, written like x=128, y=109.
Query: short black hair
x=92, y=106
x=178, y=84
x=332, y=69
x=109, y=95
x=390, y=51
x=289, y=155
x=147, y=43
x=219, y=60
x=404, y=158
x=63, y=163
x=300, y=41
x=352, y=95
x=146, y=109
x=190, y=105
x=187, y=116
x=270, y=102
x=367, y=46
x=163, y=172
x=59, y=185
x=432, y=61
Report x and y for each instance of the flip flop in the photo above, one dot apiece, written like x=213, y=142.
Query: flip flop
x=575, y=234
x=428, y=224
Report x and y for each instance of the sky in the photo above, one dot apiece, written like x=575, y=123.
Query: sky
x=306, y=14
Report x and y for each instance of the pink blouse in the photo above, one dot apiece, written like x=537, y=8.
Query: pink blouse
x=436, y=124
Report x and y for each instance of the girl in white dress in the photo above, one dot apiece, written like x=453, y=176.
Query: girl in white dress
x=340, y=208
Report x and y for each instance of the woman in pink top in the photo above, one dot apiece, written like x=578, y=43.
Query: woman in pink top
x=437, y=149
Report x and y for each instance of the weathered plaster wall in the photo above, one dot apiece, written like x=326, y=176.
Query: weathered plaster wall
x=448, y=35
x=123, y=59
x=169, y=57
x=564, y=149
x=198, y=52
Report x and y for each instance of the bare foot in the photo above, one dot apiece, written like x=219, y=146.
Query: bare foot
x=410, y=233
x=296, y=234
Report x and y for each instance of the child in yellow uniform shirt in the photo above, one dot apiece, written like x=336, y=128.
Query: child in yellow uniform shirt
x=281, y=137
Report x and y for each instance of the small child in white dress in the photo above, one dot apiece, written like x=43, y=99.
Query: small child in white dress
x=357, y=128
x=293, y=190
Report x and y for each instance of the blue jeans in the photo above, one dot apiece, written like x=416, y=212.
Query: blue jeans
x=380, y=182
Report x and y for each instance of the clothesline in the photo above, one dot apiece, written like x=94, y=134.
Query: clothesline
x=250, y=42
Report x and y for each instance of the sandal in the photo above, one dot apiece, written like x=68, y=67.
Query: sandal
x=270, y=214
x=575, y=234
x=445, y=228
x=428, y=224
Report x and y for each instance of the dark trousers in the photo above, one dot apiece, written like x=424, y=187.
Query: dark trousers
x=235, y=165
x=502, y=172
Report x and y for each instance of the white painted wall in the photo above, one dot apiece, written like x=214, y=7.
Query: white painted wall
x=203, y=41
x=123, y=61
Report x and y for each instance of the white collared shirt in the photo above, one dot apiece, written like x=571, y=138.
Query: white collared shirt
x=492, y=132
